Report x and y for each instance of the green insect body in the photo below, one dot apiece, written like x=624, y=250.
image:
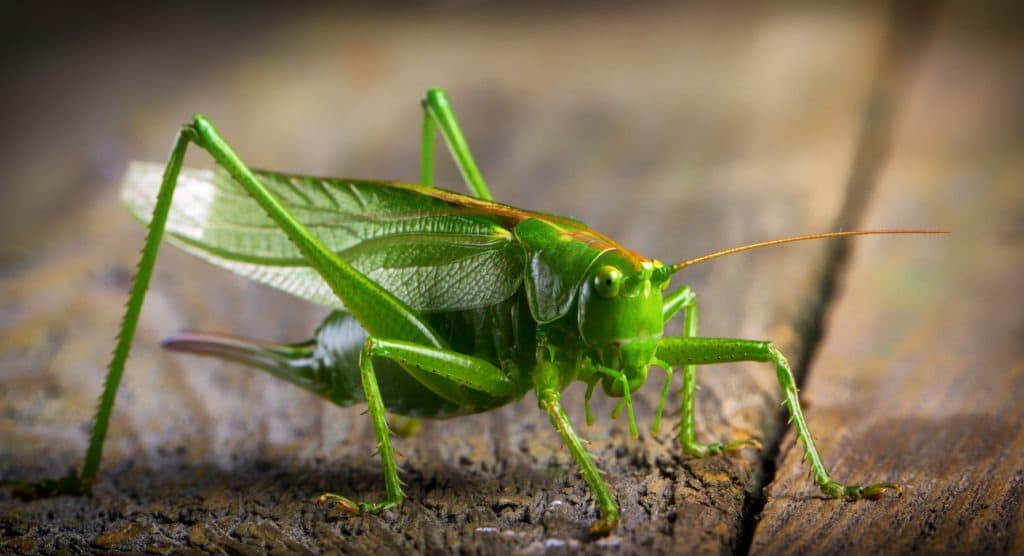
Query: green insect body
x=496, y=284
x=446, y=304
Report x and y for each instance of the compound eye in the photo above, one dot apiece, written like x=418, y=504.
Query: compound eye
x=608, y=281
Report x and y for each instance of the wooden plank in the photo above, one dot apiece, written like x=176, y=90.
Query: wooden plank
x=922, y=374
x=217, y=458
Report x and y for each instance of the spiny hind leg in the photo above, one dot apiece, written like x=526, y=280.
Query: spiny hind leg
x=438, y=114
x=79, y=482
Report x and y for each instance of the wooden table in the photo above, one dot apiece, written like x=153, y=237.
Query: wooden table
x=677, y=132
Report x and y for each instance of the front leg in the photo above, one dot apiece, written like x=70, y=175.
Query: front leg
x=705, y=351
x=546, y=383
x=687, y=301
x=375, y=407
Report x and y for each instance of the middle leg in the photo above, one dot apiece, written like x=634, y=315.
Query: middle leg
x=461, y=370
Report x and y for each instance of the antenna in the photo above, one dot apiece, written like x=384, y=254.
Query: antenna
x=679, y=266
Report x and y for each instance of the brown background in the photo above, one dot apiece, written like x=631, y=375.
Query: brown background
x=677, y=131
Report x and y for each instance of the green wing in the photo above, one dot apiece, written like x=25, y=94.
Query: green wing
x=424, y=250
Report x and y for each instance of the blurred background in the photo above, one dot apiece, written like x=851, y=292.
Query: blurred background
x=678, y=129
x=321, y=89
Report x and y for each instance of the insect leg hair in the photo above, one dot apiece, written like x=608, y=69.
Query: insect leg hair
x=375, y=406
x=377, y=310
x=548, y=397
x=80, y=482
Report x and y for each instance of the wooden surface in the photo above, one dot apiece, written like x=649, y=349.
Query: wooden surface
x=922, y=370
x=677, y=132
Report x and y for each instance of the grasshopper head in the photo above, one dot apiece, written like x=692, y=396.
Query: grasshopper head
x=620, y=317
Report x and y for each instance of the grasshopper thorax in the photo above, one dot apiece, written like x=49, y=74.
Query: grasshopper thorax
x=620, y=317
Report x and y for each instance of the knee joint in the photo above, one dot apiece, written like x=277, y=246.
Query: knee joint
x=547, y=399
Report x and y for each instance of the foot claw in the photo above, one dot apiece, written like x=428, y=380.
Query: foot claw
x=738, y=445
x=857, y=492
x=698, y=450
x=342, y=504
x=874, y=492
x=349, y=507
x=603, y=527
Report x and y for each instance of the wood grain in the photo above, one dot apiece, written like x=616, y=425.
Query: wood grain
x=922, y=372
x=677, y=132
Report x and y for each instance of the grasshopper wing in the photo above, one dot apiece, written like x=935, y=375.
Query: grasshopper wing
x=427, y=251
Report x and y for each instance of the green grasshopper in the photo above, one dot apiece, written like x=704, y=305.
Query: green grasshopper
x=445, y=304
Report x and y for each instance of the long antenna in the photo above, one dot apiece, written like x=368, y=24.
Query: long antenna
x=792, y=239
